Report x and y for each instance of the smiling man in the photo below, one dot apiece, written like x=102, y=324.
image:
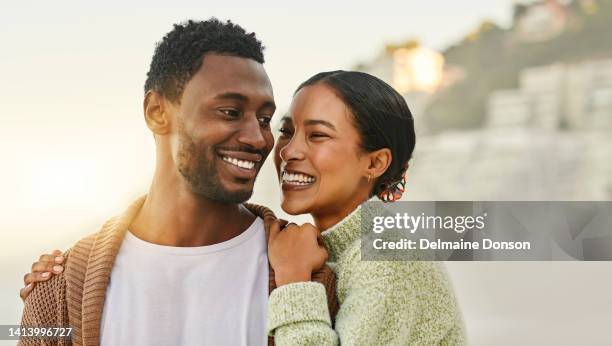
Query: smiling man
x=187, y=263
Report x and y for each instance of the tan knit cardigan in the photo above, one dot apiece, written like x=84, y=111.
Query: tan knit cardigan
x=75, y=298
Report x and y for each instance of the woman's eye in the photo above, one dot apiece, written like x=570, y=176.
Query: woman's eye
x=230, y=113
x=318, y=135
x=285, y=132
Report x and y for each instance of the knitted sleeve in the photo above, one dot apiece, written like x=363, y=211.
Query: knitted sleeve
x=381, y=303
x=46, y=307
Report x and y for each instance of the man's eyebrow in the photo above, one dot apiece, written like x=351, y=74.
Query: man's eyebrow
x=319, y=122
x=269, y=104
x=232, y=96
x=242, y=98
x=286, y=118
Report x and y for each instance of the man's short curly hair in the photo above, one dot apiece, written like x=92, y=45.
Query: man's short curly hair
x=179, y=54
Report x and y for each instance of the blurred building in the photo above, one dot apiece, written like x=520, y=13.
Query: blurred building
x=588, y=91
x=550, y=138
x=415, y=72
x=539, y=21
x=576, y=96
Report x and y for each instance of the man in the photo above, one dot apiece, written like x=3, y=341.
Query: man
x=187, y=263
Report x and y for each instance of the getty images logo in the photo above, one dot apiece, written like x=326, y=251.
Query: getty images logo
x=413, y=223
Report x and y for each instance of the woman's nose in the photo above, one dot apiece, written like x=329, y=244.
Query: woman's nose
x=293, y=150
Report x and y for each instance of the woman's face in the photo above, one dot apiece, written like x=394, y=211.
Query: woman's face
x=319, y=161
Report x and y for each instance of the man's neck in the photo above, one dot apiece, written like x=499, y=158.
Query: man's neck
x=174, y=216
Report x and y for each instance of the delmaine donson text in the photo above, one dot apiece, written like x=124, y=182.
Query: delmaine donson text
x=459, y=224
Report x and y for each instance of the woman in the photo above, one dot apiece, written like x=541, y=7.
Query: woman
x=348, y=136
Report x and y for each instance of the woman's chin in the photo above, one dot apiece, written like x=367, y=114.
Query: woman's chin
x=294, y=208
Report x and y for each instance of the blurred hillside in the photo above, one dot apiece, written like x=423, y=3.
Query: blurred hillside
x=493, y=58
x=518, y=113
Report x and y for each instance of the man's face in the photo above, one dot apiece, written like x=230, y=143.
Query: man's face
x=221, y=134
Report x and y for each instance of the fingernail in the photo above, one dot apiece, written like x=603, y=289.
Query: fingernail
x=57, y=269
x=28, y=286
x=45, y=274
x=59, y=259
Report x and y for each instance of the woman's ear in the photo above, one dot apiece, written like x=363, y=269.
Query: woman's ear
x=379, y=161
x=155, y=113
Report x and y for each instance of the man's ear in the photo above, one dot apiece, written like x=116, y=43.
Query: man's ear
x=379, y=161
x=156, y=113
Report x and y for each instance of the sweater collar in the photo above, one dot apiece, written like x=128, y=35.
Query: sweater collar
x=340, y=236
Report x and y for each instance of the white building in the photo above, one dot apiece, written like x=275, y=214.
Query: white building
x=576, y=96
x=589, y=95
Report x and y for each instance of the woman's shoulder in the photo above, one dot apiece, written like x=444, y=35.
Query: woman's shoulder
x=421, y=287
x=423, y=275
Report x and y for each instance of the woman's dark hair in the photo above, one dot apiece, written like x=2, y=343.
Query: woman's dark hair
x=381, y=117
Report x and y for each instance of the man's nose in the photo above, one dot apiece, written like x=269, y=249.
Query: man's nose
x=251, y=133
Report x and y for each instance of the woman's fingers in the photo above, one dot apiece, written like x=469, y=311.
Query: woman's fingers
x=30, y=280
x=278, y=226
x=42, y=270
x=323, y=255
x=275, y=228
x=50, y=256
x=24, y=292
x=47, y=266
x=283, y=223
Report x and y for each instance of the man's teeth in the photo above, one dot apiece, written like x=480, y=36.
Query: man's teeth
x=240, y=163
x=296, y=178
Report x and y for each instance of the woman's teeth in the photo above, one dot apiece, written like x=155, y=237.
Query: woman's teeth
x=297, y=179
x=240, y=163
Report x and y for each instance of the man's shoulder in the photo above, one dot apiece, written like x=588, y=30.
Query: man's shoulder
x=113, y=229
x=260, y=211
x=77, y=257
x=86, y=243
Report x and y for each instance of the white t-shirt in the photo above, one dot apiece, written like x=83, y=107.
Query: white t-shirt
x=207, y=295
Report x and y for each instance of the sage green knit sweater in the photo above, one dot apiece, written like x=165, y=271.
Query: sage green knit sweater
x=381, y=303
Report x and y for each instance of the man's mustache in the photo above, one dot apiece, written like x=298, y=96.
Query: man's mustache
x=263, y=153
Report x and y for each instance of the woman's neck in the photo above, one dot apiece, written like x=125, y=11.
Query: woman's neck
x=327, y=219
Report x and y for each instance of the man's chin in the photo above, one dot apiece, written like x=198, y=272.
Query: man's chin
x=219, y=191
x=230, y=196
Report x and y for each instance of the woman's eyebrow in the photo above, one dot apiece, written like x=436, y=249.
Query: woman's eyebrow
x=286, y=118
x=311, y=122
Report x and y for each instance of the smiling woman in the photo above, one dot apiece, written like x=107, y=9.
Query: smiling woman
x=320, y=150
x=349, y=136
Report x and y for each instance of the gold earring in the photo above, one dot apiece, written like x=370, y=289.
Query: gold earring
x=369, y=177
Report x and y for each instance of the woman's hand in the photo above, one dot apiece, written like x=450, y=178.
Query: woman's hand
x=295, y=252
x=47, y=265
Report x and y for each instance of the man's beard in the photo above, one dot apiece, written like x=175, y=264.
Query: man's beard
x=200, y=173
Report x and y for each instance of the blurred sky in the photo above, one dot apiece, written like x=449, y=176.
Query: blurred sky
x=72, y=138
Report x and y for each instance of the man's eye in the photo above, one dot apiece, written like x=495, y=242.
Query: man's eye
x=265, y=121
x=230, y=113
